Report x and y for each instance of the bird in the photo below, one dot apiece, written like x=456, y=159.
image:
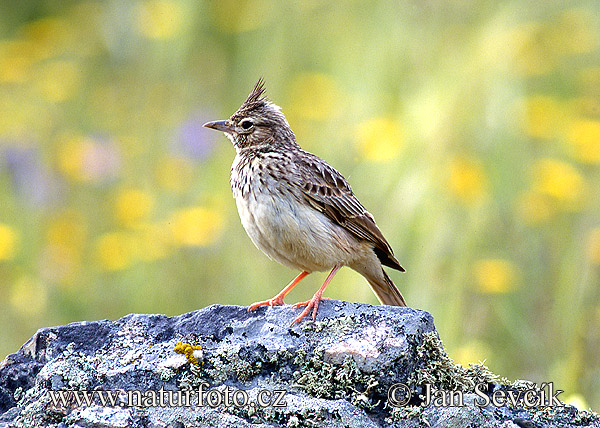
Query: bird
x=299, y=210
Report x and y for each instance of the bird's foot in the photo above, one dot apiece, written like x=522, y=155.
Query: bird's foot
x=277, y=300
x=312, y=303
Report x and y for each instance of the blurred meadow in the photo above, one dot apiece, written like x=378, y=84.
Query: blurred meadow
x=470, y=129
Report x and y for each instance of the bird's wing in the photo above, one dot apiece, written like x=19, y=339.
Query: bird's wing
x=326, y=190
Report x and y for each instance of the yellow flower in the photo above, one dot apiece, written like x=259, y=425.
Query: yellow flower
x=59, y=80
x=8, y=242
x=593, y=246
x=379, y=139
x=115, y=251
x=468, y=181
x=87, y=160
x=41, y=39
x=196, y=226
x=16, y=58
x=543, y=115
x=49, y=36
x=584, y=137
x=71, y=154
x=560, y=181
x=313, y=96
x=159, y=19
x=132, y=205
x=494, y=275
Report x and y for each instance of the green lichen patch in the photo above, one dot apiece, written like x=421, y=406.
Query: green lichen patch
x=258, y=415
x=333, y=381
x=586, y=417
x=335, y=327
x=438, y=369
x=567, y=415
x=309, y=373
x=282, y=416
x=408, y=412
x=224, y=364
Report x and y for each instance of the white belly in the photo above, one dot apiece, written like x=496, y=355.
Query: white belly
x=294, y=234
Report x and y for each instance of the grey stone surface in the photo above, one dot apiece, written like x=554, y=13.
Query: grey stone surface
x=334, y=372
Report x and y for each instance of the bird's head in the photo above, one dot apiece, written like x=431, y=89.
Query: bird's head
x=257, y=122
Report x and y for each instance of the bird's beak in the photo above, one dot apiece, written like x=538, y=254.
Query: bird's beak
x=220, y=125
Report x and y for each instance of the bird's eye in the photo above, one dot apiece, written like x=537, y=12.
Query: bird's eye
x=246, y=124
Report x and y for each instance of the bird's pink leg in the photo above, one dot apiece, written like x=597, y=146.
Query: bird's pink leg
x=314, y=302
x=278, y=299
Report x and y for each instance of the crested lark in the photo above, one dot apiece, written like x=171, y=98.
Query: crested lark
x=297, y=208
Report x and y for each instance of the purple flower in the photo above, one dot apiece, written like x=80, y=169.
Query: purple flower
x=192, y=140
x=31, y=179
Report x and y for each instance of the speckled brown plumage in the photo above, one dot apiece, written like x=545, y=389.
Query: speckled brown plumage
x=297, y=208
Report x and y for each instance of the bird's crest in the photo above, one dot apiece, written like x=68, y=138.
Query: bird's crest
x=256, y=102
x=257, y=97
x=257, y=94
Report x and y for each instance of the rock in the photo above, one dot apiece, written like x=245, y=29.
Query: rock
x=253, y=369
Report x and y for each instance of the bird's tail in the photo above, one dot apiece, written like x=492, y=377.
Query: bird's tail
x=386, y=291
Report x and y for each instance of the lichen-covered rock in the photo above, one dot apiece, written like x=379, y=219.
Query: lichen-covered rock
x=227, y=367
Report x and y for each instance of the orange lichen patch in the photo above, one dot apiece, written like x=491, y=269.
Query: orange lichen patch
x=188, y=350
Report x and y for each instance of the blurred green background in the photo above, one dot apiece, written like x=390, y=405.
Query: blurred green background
x=470, y=129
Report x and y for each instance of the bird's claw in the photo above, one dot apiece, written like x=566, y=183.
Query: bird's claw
x=275, y=301
x=312, y=303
